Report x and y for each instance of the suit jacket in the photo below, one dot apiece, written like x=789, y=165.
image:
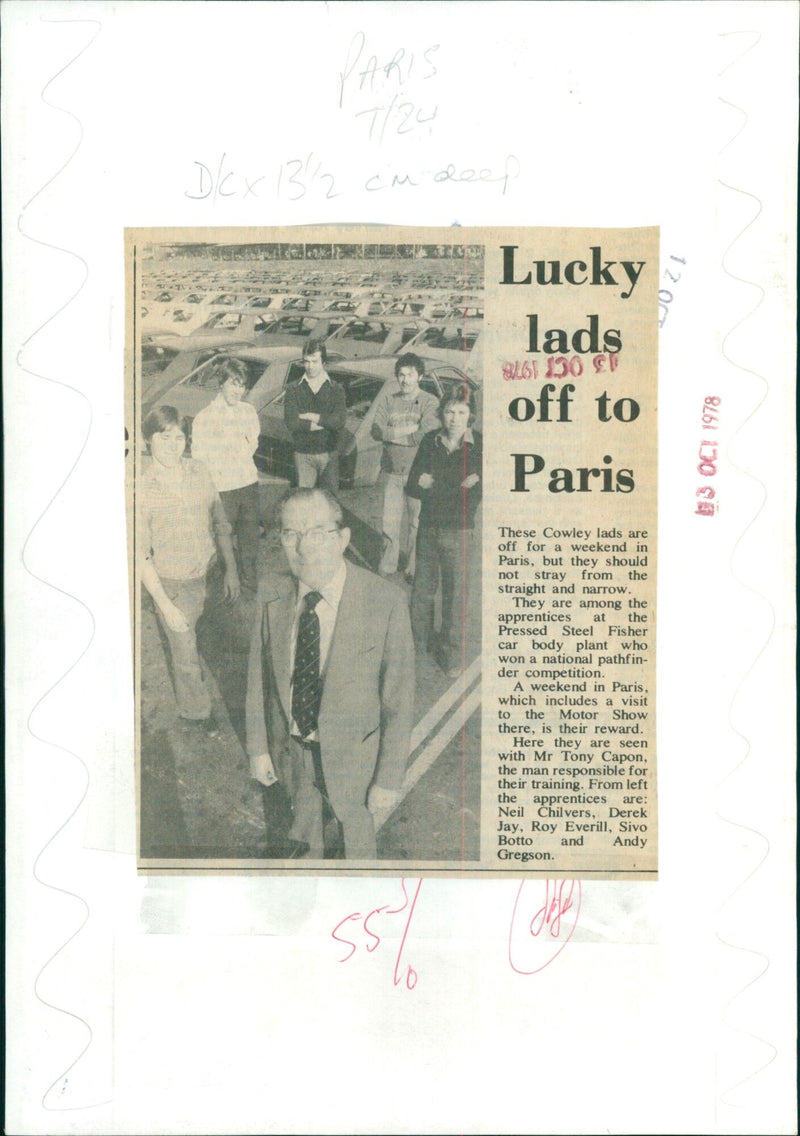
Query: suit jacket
x=365, y=717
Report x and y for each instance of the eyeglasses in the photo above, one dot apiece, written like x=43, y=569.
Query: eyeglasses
x=314, y=536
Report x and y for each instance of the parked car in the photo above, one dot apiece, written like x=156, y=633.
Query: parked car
x=239, y=322
x=362, y=379
x=405, y=308
x=295, y=328
x=360, y=338
x=455, y=342
x=300, y=304
x=268, y=371
x=366, y=307
x=228, y=300
x=179, y=316
x=155, y=356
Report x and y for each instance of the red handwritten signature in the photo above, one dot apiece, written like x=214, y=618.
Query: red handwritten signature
x=541, y=926
x=549, y=928
x=411, y=975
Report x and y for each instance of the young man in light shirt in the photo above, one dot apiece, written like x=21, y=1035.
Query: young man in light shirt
x=225, y=437
x=181, y=524
x=403, y=416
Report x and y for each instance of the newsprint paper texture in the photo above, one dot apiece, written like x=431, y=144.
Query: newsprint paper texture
x=529, y=688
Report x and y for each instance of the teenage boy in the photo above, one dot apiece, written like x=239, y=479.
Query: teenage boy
x=446, y=478
x=225, y=437
x=403, y=416
x=314, y=413
x=181, y=526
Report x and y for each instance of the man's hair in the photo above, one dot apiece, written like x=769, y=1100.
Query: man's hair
x=226, y=368
x=459, y=396
x=313, y=346
x=306, y=494
x=410, y=360
x=159, y=419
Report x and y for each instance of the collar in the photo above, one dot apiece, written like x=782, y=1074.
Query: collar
x=325, y=380
x=468, y=439
x=157, y=473
x=331, y=593
x=221, y=404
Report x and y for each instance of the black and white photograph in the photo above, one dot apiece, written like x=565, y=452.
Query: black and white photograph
x=306, y=476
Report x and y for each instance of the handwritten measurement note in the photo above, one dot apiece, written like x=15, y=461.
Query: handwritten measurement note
x=389, y=96
x=313, y=177
x=543, y=920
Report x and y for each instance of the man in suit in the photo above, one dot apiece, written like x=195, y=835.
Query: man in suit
x=330, y=688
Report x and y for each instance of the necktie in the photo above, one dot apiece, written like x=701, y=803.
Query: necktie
x=306, y=682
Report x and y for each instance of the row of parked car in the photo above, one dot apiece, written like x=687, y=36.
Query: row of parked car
x=181, y=313
x=364, y=326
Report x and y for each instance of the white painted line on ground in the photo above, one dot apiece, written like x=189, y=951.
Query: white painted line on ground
x=432, y=751
x=425, y=725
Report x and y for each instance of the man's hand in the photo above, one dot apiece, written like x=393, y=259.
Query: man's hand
x=232, y=585
x=425, y=481
x=174, y=619
x=262, y=769
x=309, y=416
x=469, y=481
x=382, y=800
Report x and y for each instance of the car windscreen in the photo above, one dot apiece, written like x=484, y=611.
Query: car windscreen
x=205, y=374
x=447, y=381
x=221, y=319
x=299, y=326
x=360, y=393
x=448, y=338
x=366, y=331
x=156, y=359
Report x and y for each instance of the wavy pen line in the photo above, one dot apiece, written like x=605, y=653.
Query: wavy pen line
x=64, y=1076
x=727, y=67
x=727, y=1093
x=724, y=1096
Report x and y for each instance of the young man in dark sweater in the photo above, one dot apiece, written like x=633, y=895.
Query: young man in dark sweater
x=314, y=413
x=446, y=478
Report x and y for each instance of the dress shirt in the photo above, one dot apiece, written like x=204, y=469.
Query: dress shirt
x=326, y=609
x=225, y=438
x=178, y=518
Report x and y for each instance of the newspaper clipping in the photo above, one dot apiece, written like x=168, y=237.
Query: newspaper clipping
x=392, y=522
